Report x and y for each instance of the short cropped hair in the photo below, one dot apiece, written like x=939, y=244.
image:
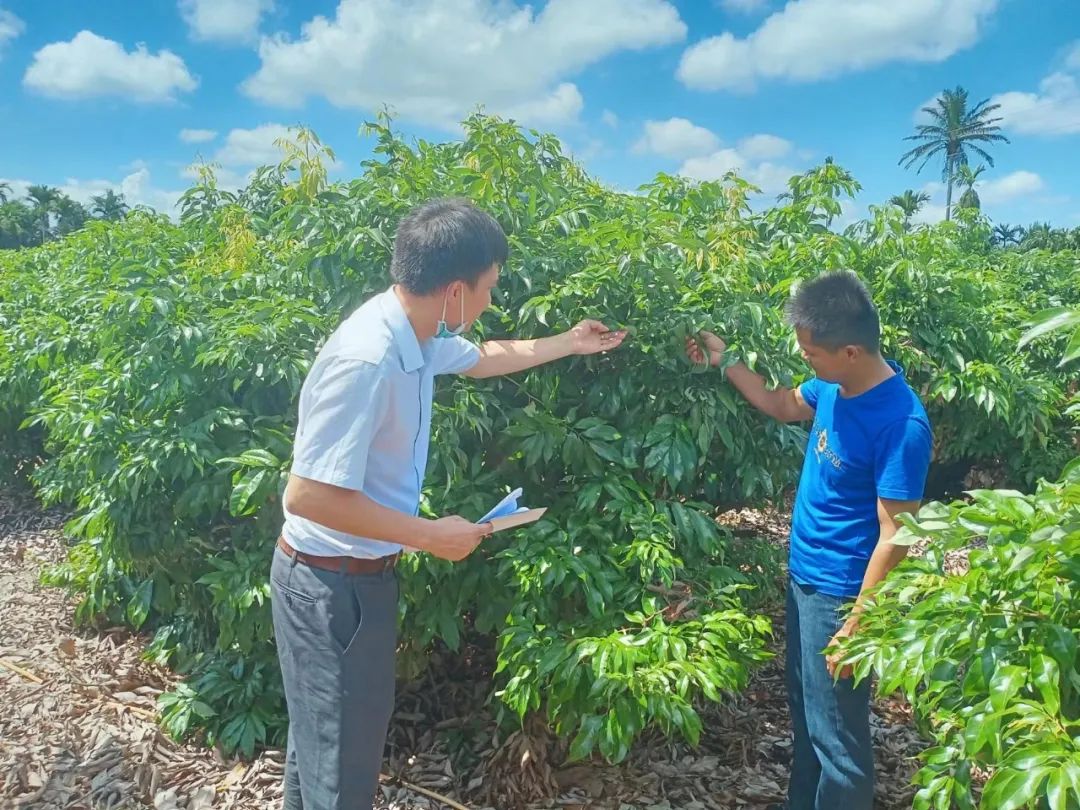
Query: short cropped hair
x=443, y=241
x=837, y=310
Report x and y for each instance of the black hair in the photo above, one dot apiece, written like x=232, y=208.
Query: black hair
x=837, y=310
x=443, y=241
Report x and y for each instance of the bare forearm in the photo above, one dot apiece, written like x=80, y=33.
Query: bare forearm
x=352, y=512
x=499, y=357
x=887, y=555
x=752, y=387
x=885, y=558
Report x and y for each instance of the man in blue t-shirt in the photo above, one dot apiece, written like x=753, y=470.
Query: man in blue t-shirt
x=866, y=464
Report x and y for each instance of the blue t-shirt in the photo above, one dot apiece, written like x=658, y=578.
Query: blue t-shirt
x=870, y=446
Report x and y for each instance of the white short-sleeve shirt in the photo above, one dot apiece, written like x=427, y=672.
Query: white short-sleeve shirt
x=365, y=418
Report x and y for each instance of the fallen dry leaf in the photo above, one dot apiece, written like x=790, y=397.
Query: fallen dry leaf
x=81, y=732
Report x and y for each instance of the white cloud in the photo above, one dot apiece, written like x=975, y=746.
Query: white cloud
x=744, y=6
x=610, y=118
x=676, y=138
x=851, y=212
x=18, y=187
x=197, y=135
x=748, y=161
x=433, y=61
x=764, y=147
x=252, y=147
x=564, y=103
x=930, y=213
x=921, y=116
x=1053, y=110
x=226, y=178
x=244, y=150
x=584, y=147
x=136, y=186
x=1072, y=56
x=224, y=20
x=714, y=166
x=1010, y=188
x=10, y=27
x=1013, y=185
x=90, y=66
x=815, y=39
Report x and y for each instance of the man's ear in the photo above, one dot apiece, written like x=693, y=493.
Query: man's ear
x=852, y=353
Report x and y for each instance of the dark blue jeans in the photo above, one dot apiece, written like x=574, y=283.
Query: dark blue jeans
x=833, y=757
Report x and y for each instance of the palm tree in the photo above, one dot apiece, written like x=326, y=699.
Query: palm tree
x=1005, y=235
x=18, y=224
x=109, y=206
x=910, y=202
x=44, y=199
x=70, y=215
x=953, y=130
x=1038, y=235
x=967, y=177
x=5, y=191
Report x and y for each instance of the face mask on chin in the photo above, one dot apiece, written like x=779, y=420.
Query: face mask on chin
x=444, y=331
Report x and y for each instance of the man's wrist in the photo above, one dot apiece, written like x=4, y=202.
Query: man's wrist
x=565, y=343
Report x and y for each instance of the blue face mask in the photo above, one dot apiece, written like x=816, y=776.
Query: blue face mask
x=444, y=331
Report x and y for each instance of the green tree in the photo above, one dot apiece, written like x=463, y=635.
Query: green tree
x=109, y=206
x=1042, y=236
x=967, y=178
x=1038, y=235
x=18, y=226
x=5, y=191
x=910, y=202
x=44, y=200
x=954, y=130
x=151, y=368
x=70, y=215
x=1006, y=235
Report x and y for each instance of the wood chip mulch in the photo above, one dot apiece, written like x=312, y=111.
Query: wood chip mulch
x=78, y=730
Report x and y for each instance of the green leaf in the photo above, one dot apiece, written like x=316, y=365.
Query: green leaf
x=1009, y=789
x=1049, y=320
x=585, y=740
x=1004, y=685
x=138, y=607
x=1045, y=675
x=1070, y=773
x=1057, y=795
x=254, y=458
x=242, y=501
x=202, y=709
x=1072, y=349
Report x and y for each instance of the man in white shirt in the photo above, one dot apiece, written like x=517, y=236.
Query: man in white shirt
x=352, y=500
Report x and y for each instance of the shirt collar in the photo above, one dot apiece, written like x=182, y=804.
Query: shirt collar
x=412, y=357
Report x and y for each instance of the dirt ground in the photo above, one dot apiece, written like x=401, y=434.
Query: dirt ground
x=77, y=726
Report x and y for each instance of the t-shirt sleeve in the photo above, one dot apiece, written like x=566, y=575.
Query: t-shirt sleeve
x=902, y=459
x=342, y=413
x=811, y=390
x=455, y=355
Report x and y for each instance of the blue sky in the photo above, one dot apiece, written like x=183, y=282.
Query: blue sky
x=126, y=95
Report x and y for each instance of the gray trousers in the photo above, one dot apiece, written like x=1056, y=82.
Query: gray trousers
x=336, y=635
